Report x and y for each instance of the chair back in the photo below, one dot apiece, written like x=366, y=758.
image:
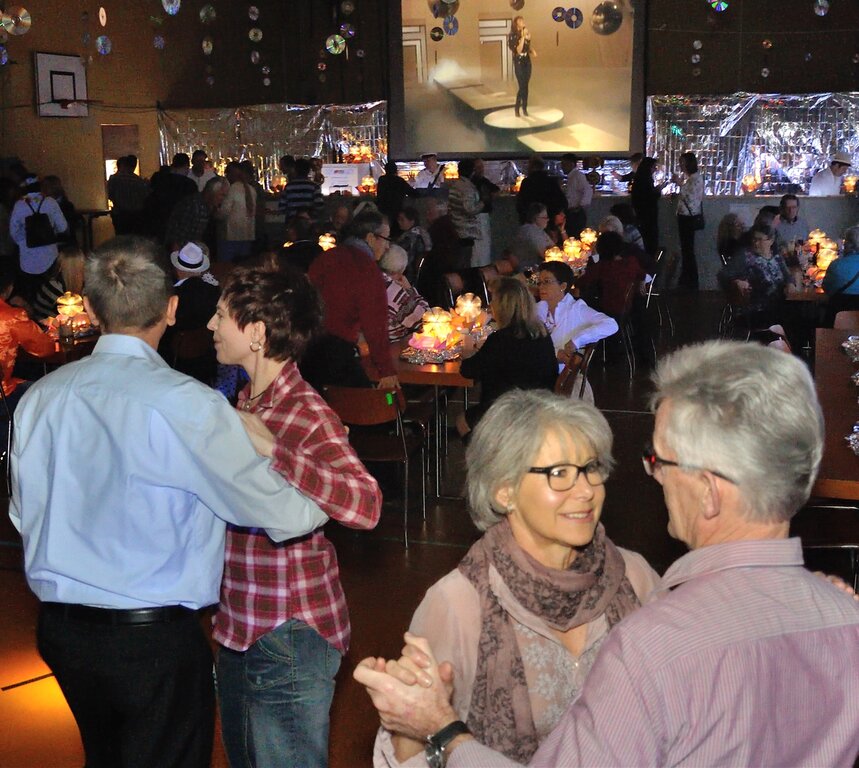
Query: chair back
x=454, y=286
x=847, y=320
x=489, y=276
x=364, y=406
x=566, y=382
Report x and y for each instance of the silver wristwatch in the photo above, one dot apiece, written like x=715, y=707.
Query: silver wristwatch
x=436, y=746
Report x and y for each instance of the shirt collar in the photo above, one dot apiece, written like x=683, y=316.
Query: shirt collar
x=734, y=554
x=131, y=346
x=360, y=245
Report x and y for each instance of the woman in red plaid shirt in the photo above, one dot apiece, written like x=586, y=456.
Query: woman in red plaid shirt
x=282, y=621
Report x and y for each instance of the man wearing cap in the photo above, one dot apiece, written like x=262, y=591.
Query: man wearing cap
x=124, y=475
x=428, y=177
x=827, y=183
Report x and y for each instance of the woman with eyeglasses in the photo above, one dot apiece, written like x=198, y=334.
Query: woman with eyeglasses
x=571, y=322
x=523, y=615
x=531, y=241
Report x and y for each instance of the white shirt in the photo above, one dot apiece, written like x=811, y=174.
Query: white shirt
x=36, y=261
x=575, y=321
x=425, y=178
x=690, y=201
x=201, y=181
x=825, y=184
x=577, y=189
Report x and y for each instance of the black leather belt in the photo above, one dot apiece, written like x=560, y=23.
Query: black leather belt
x=119, y=616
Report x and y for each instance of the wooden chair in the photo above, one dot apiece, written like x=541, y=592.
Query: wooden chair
x=578, y=366
x=360, y=407
x=847, y=320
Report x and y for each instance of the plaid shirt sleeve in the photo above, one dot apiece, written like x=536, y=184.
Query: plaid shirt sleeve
x=312, y=452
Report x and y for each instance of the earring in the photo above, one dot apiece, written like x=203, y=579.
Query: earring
x=255, y=346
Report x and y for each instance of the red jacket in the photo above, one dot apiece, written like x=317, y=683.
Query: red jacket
x=17, y=330
x=353, y=292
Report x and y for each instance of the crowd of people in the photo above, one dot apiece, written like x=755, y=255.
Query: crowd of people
x=548, y=644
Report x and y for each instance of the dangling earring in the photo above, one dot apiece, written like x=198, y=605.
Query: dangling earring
x=255, y=346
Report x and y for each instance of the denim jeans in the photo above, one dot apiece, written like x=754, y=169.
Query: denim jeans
x=275, y=699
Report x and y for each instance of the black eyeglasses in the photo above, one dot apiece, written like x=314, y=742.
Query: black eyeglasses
x=382, y=237
x=652, y=463
x=562, y=477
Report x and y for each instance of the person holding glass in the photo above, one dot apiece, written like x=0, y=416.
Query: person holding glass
x=519, y=42
x=529, y=606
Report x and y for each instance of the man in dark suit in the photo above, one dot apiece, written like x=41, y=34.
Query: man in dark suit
x=539, y=187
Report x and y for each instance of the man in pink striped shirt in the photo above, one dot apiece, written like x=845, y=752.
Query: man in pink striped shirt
x=744, y=658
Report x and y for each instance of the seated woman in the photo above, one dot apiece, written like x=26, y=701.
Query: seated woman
x=415, y=240
x=755, y=280
x=729, y=236
x=619, y=267
x=282, y=622
x=842, y=276
x=571, y=322
x=405, y=305
x=67, y=274
x=17, y=331
x=625, y=213
x=531, y=241
x=518, y=355
x=557, y=229
x=528, y=607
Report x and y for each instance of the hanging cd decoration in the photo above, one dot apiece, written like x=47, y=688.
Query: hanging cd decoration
x=697, y=45
x=159, y=42
x=821, y=7
x=4, y=56
x=265, y=70
x=451, y=25
x=208, y=14
x=807, y=56
x=322, y=77
x=254, y=57
x=574, y=18
x=766, y=44
x=719, y=5
x=208, y=45
x=696, y=58
x=696, y=71
x=436, y=33
x=347, y=30
x=210, y=70
x=102, y=16
x=255, y=34
x=253, y=13
x=436, y=8
x=266, y=82
x=171, y=7
x=17, y=21
x=346, y=7
x=360, y=53
x=855, y=58
x=4, y=35
x=86, y=38
x=335, y=44
x=517, y=5
x=558, y=14
x=606, y=18
x=765, y=72
x=210, y=81
x=103, y=45
x=322, y=66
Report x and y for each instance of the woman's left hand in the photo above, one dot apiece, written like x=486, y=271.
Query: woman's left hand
x=260, y=435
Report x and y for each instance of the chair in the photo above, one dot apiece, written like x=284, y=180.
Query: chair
x=360, y=407
x=847, y=320
x=624, y=325
x=578, y=366
x=653, y=296
x=454, y=286
x=489, y=276
x=736, y=301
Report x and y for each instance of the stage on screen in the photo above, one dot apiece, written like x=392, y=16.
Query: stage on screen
x=512, y=77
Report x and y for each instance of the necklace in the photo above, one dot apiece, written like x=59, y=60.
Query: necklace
x=248, y=404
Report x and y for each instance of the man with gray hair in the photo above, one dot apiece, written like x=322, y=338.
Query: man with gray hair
x=124, y=475
x=744, y=658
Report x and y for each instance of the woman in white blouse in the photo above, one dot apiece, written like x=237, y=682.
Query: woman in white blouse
x=236, y=217
x=570, y=321
x=690, y=212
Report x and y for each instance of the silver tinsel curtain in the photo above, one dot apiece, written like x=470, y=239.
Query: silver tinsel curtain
x=780, y=140
x=263, y=133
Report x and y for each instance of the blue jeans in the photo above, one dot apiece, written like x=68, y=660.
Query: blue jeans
x=275, y=699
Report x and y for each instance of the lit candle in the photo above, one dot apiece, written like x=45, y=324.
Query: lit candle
x=327, y=241
x=468, y=307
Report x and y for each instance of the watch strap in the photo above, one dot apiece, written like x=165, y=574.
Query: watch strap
x=439, y=741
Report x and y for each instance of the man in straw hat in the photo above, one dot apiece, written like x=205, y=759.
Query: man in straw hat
x=827, y=182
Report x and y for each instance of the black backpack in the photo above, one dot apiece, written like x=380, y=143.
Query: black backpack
x=38, y=227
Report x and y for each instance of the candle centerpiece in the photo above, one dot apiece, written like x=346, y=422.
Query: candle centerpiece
x=442, y=332
x=327, y=241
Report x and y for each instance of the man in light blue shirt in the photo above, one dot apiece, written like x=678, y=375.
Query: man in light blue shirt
x=124, y=476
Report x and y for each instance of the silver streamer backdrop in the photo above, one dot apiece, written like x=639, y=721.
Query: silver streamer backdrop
x=264, y=133
x=781, y=140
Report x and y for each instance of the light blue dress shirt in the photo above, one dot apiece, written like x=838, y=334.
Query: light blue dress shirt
x=124, y=472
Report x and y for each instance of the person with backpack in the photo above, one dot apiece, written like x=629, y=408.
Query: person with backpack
x=35, y=225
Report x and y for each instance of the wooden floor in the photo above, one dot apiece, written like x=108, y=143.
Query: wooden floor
x=383, y=581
